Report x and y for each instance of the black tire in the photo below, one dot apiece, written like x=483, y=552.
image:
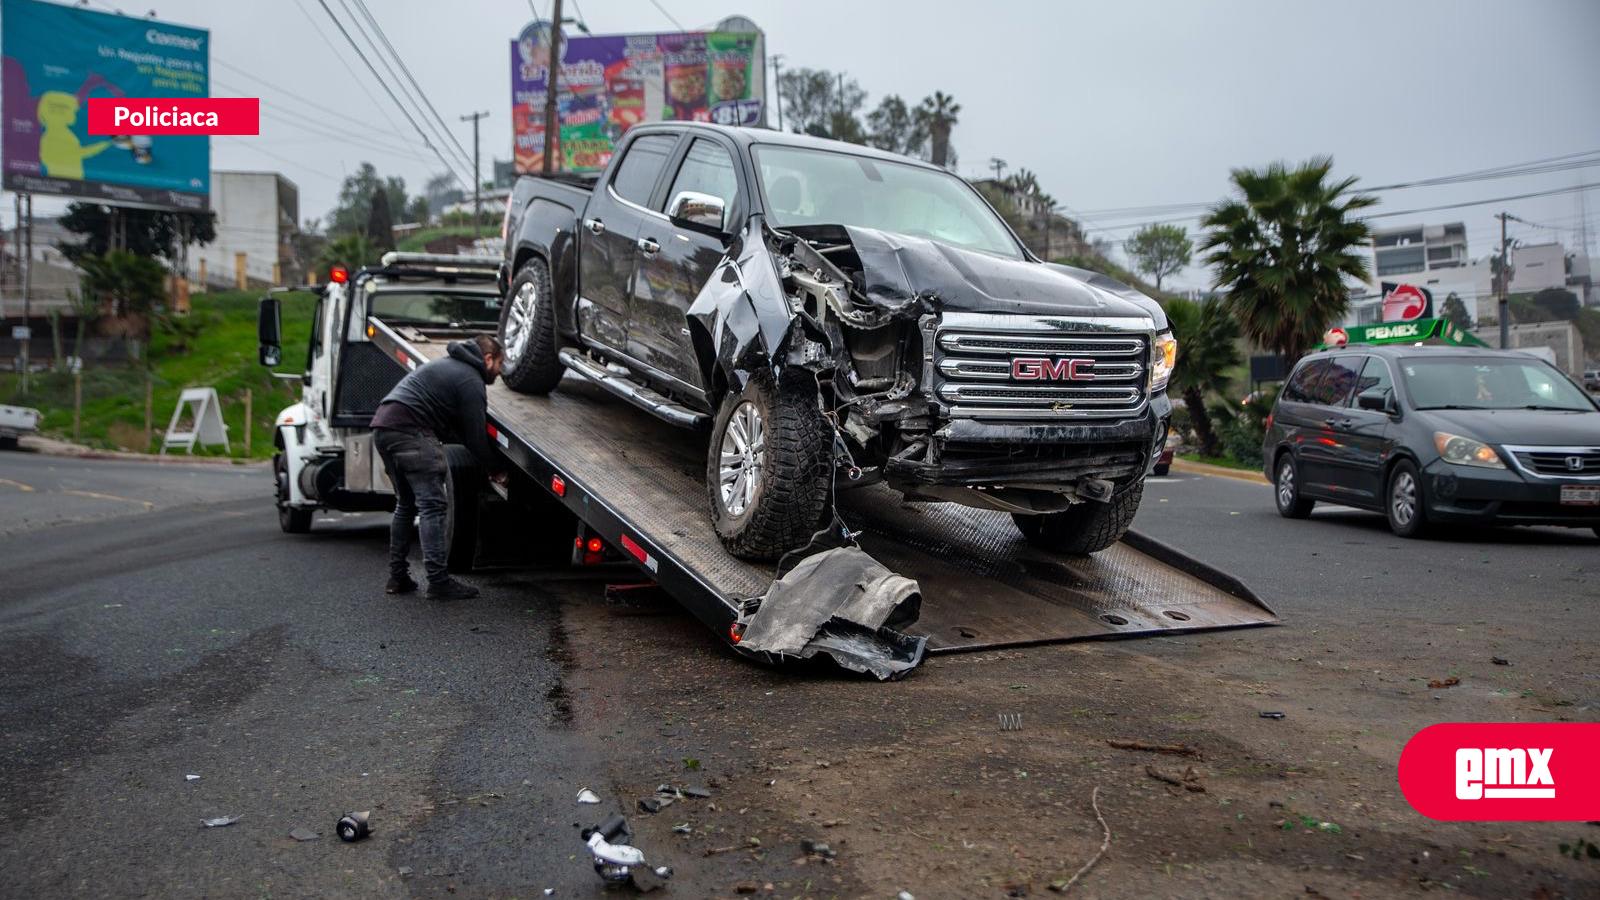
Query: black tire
x=1398, y=497
x=528, y=331
x=462, y=487
x=1160, y=470
x=8, y=442
x=293, y=520
x=1083, y=528
x=1286, y=489
x=794, y=461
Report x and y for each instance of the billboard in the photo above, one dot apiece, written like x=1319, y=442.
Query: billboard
x=1403, y=302
x=609, y=83
x=57, y=57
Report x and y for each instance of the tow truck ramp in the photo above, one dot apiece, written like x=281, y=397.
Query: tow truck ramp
x=639, y=484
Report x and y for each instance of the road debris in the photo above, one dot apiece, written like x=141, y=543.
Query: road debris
x=1271, y=714
x=818, y=848
x=353, y=826
x=304, y=834
x=1189, y=781
x=652, y=805
x=1105, y=844
x=1500, y=660
x=588, y=796
x=405, y=871
x=1440, y=683
x=618, y=862
x=220, y=822
x=191, y=778
x=682, y=828
x=904, y=895
x=1011, y=721
x=1171, y=749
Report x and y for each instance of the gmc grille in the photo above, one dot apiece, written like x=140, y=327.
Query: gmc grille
x=977, y=375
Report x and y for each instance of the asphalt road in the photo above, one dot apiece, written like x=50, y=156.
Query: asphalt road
x=155, y=624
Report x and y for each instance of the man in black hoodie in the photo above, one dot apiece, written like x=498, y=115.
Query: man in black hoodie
x=443, y=400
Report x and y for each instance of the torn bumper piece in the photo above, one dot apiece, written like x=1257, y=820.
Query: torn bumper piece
x=840, y=605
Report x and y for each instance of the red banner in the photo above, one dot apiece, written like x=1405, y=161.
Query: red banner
x=119, y=116
x=1504, y=772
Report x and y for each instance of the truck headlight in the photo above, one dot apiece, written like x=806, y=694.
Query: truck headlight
x=1162, y=357
x=1464, y=451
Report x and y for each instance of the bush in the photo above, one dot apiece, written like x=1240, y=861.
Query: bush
x=1242, y=431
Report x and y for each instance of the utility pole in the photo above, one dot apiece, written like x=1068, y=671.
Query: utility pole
x=1505, y=286
x=777, y=80
x=27, y=286
x=998, y=165
x=477, y=180
x=550, y=86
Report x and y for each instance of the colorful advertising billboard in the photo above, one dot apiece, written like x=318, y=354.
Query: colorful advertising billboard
x=55, y=59
x=609, y=83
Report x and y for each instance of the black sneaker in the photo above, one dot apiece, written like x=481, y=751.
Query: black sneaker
x=399, y=584
x=451, y=589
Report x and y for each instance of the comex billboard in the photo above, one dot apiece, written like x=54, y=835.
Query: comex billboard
x=609, y=83
x=55, y=59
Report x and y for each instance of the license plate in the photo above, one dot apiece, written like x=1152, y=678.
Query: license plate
x=1580, y=495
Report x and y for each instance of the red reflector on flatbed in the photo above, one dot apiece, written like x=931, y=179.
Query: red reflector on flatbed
x=638, y=552
x=558, y=485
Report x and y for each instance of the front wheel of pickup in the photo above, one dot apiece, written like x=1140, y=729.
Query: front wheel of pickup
x=1083, y=528
x=528, y=331
x=767, y=466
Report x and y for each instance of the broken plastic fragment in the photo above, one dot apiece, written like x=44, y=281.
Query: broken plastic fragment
x=304, y=834
x=220, y=822
x=587, y=796
x=191, y=778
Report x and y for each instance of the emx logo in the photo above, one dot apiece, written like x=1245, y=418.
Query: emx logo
x=1491, y=772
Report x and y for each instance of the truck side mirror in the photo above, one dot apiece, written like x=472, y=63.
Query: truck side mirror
x=702, y=212
x=269, y=331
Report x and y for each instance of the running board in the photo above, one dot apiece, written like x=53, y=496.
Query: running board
x=645, y=398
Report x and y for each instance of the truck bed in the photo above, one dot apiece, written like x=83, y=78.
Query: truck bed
x=983, y=586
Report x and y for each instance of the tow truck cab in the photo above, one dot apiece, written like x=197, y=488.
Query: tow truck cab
x=324, y=454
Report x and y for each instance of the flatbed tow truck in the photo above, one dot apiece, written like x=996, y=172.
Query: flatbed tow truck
x=637, y=484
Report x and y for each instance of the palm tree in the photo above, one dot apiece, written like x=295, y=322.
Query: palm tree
x=939, y=114
x=352, y=251
x=1283, y=249
x=1207, y=349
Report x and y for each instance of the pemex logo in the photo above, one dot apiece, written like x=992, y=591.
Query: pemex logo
x=1489, y=772
x=1403, y=302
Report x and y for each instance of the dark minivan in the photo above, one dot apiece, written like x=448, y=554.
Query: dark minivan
x=1432, y=434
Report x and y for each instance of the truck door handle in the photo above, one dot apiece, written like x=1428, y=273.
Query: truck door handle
x=595, y=226
x=649, y=247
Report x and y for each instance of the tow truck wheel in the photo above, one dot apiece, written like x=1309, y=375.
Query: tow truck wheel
x=767, y=467
x=291, y=519
x=1404, y=503
x=528, y=332
x=1286, y=490
x=1083, y=528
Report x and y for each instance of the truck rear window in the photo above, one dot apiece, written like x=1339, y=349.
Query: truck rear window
x=436, y=308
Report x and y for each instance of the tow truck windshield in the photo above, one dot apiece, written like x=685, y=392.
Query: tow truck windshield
x=436, y=308
x=1490, y=384
x=820, y=187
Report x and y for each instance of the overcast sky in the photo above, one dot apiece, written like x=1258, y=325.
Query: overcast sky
x=1112, y=104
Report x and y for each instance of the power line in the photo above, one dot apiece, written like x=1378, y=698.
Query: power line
x=334, y=52
x=1408, y=212
x=344, y=118
x=675, y=23
x=361, y=4
x=264, y=151
x=352, y=42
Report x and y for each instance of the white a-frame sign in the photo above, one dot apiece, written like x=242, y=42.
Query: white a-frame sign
x=206, y=426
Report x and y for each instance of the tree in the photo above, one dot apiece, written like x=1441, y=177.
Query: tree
x=892, y=126
x=440, y=191
x=147, y=232
x=417, y=210
x=1159, y=250
x=938, y=114
x=1282, y=250
x=351, y=251
x=1207, y=349
x=823, y=103
x=1456, y=311
x=124, y=285
x=380, y=222
x=355, y=199
x=1557, y=304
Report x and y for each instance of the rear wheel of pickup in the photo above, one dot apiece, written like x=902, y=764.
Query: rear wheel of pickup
x=767, y=466
x=528, y=331
x=1083, y=528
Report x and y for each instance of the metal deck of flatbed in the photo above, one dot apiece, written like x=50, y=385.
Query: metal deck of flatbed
x=635, y=479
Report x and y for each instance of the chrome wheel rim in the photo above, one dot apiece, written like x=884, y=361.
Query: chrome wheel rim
x=519, y=321
x=1285, y=486
x=741, y=458
x=1403, y=499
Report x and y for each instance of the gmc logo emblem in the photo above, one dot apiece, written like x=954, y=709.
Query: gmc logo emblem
x=1031, y=368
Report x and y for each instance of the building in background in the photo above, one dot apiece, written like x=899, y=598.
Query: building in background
x=1413, y=249
x=257, y=214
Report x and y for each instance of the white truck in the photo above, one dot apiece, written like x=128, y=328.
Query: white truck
x=324, y=456
x=16, y=421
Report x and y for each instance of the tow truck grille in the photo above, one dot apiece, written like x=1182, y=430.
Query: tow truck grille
x=1005, y=375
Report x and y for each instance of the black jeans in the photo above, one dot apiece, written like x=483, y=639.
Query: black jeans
x=416, y=465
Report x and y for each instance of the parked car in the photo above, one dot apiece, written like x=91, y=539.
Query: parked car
x=1591, y=379
x=836, y=315
x=16, y=421
x=1436, y=434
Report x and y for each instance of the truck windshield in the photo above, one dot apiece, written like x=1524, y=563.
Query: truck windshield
x=436, y=308
x=822, y=187
x=1464, y=383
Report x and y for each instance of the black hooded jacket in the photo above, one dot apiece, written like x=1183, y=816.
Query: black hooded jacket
x=448, y=397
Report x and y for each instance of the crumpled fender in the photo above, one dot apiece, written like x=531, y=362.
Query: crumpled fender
x=741, y=320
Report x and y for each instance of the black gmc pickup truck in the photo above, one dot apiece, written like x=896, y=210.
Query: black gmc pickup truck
x=838, y=316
